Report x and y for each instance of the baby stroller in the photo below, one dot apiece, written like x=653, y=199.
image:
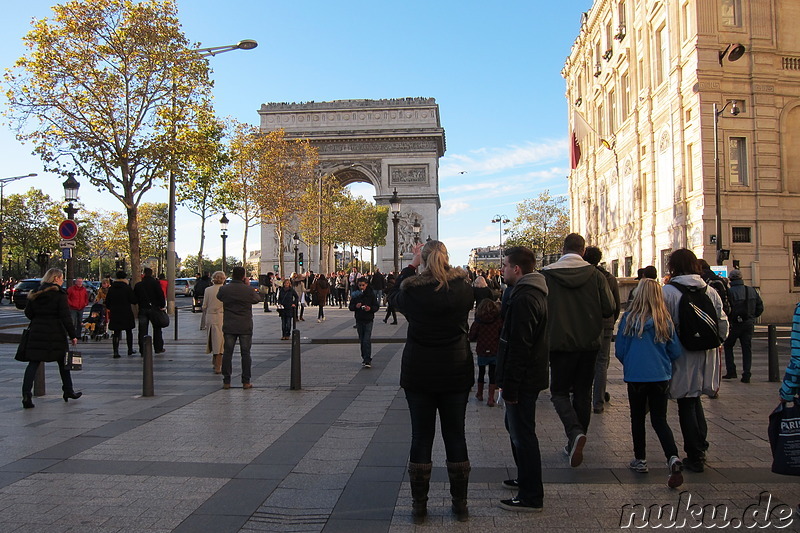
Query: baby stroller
x=94, y=326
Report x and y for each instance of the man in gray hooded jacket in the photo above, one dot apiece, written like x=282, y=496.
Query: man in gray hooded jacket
x=578, y=301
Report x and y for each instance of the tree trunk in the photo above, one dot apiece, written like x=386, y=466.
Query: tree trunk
x=200, y=266
x=279, y=234
x=133, y=239
x=244, y=246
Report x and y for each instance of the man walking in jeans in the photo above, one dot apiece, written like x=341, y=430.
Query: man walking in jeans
x=578, y=300
x=150, y=297
x=364, y=304
x=237, y=300
x=522, y=373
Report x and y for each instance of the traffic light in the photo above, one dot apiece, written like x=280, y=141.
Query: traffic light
x=300, y=259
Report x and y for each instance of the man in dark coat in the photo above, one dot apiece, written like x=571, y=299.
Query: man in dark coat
x=119, y=300
x=151, y=298
x=237, y=299
x=378, y=284
x=522, y=373
x=364, y=304
x=593, y=255
x=746, y=306
x=578, y=300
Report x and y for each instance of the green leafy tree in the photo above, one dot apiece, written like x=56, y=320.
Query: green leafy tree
x=154, y=236
x=541, y=223
x=104, y=90
x=30, y=225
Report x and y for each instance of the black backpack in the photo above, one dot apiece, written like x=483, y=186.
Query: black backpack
x=697, y=319
x=722, y=289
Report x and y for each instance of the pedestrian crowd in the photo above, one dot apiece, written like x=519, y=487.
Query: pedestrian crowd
x=533, y=330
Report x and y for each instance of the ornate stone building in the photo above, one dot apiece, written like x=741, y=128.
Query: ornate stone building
x=393, y=144
x=650, y=86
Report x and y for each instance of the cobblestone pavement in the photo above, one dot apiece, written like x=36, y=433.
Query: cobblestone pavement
x=331, y=457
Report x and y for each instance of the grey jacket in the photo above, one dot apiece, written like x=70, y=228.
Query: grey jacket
x=237, y=300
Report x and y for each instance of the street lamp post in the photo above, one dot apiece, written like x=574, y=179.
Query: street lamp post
x=336, y=258
x=295, y=242
x=358, y=265
x=246, y=44
x=223, y=226
x=3, y=182
x=717, y=194
x=394, y=203
x=71, y=187
x=501, y=219
x=416, y=228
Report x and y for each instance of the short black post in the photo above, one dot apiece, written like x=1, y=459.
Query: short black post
x=39, y=388
x=175, y=323
x=294, y=380
x=147, y=367
x=772, y=353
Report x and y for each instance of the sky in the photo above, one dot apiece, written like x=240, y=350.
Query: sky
x=494, y=70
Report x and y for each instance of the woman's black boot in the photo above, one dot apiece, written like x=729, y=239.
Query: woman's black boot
x=459, y=481
x=419, y=474
x=27, y=400
x=72, y=395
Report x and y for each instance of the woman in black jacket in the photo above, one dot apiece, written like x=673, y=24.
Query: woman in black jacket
x=49, y=330
x=119, y=300
x=437, y=370
x=287, y=303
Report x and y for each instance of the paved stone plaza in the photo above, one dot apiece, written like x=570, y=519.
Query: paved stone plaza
x=332, y=456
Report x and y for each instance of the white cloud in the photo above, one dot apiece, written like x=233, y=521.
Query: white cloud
x=453, y=207
x=491, y=160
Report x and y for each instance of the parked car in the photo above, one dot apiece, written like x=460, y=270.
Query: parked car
x=21, y=290
x=184, y=286
x=254, y=285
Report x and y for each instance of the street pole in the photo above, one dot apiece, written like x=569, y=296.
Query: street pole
x=223, y=224
x=717, y=195
x=394, y=205
x=246, y=44
x=71, y=187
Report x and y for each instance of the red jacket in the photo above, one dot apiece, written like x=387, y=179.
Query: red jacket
x=77, y=297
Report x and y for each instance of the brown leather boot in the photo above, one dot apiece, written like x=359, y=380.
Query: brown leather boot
x=218, y=363
x=420, y=476
x=459, y=481
x=479, y=394
x=492, y=390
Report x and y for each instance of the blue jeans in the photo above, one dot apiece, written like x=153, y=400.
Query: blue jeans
x=364, y=330
x=452, y=408
x=245, y=343
x=77, y=318
x=521, y=426
x=286, y=323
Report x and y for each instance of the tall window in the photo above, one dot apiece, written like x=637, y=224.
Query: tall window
x=689, y=167
x=665, y=260
x=684, y=21
x=738, y=161
x=621, y=13
x=661, y=55
x=615, y=268
x=612, y=111
x=609, y=34
x=625, y=82
x=731, y=12
x=628, y=271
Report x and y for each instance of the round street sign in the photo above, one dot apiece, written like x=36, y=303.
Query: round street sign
x=68, y=229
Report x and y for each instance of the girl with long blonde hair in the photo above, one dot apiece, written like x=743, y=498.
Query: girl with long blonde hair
x=646, y=344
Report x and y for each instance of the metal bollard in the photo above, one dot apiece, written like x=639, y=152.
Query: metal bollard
x=175, y=324
x=39, y=388
x=772, y=353
x=147, y=367
x=294, y=380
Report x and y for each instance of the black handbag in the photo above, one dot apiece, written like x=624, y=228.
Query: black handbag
x=22, y=349
x=784, y=438
x=159, y=318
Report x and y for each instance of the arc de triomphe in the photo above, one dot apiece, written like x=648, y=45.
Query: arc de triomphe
x=392, y=144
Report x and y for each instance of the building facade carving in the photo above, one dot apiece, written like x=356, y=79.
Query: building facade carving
x=645, y=77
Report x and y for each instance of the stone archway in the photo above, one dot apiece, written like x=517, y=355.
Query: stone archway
x=391, y=144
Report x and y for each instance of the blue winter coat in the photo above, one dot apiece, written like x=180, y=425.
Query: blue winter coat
x=643, y=359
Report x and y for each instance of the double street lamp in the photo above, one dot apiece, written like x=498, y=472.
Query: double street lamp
x=223, y=226
x=394, y=204
x=3, y=182
x=246, y=44
x=501, y=219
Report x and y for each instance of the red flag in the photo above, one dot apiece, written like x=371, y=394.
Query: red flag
x=580, y=129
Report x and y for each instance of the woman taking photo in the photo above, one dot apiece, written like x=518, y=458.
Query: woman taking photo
x=50, y=327
x=212, y=309
x=437, y=370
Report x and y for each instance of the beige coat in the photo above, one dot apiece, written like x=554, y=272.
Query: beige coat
x=212, y=308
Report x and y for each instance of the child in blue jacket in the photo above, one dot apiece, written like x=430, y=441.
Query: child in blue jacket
x=646, y=345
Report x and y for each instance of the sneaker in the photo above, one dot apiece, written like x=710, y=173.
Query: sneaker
x=576, y=452
x=319, y=321
x=515, y=504
x=639, y=465
x=511, y=484
x=675, y=472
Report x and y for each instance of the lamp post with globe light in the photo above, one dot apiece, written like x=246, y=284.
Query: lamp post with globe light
x=223, y=226
x=71, y=187
x=394, y=204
